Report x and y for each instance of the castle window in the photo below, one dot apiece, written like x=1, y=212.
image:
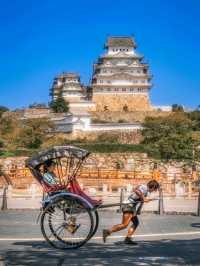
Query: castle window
x=144, y=71
x=131, y=89
x=105, y=108
x=116, y=89
x=138, y=71
x=108, y=89
x=139, y=89
x=125, y=108
x=123, y=89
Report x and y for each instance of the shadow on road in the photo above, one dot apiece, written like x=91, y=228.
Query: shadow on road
x=161, y=252
x=196, y=225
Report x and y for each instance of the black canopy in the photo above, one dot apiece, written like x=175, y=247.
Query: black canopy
x=56, y=152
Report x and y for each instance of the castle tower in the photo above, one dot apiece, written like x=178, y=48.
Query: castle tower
x=121, y=81
x=68, y=84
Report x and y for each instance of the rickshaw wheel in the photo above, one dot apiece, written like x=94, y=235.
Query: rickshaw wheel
x=67, y=223
x=96, y=223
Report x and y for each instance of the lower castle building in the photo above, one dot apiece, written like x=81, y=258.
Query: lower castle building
x=120, y=81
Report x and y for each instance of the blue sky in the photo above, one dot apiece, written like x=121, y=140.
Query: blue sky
x=40, y=39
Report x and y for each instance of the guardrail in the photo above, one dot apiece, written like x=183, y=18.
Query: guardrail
x=30, y=198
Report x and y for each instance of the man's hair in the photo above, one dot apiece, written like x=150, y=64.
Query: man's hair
x=153, y=184
x=47, y=164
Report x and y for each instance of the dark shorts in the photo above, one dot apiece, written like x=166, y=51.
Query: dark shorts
x=130, y=208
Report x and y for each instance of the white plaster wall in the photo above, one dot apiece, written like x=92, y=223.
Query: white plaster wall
x=108, y=127
x=82, y=104
x=121, y=82
x=130, y=51
x=81, y=123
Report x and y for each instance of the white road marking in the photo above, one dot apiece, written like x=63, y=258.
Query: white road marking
x=110, y=237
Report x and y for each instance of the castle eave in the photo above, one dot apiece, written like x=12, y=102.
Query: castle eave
x=120, y=41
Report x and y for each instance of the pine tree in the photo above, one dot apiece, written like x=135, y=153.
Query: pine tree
x=59, y=105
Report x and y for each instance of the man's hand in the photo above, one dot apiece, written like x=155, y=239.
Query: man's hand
x=147, y=200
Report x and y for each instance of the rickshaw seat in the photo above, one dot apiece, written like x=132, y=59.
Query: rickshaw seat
x=75, y=188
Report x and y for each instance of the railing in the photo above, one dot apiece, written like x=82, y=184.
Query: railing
x=31, y=197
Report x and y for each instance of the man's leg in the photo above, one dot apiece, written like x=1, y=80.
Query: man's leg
x=131, y=231
x=127, y=217
x=133, y=227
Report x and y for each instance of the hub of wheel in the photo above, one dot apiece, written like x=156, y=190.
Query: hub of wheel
x=71, y=225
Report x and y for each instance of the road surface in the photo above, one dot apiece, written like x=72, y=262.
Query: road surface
x=162, y=240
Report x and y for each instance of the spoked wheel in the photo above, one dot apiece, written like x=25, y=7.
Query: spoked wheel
x=67, y=223
x=96, y=222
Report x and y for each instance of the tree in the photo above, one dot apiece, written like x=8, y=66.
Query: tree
x=177, y=108
x=169, y=137
x=9, y=130
x=59, y=105
x=37, y=105
x=3, y=109
x=16, y=133
x=195, y=118
x=1, y=143
x=34, y=132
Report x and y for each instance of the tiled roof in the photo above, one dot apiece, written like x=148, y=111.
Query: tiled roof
x=120, y=41
x=68, y=75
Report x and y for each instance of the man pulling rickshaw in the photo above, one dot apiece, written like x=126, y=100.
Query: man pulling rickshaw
x=69, y=217
x=131, y=210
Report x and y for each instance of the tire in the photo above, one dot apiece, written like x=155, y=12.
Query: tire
x=96, y=222
x=68, y=212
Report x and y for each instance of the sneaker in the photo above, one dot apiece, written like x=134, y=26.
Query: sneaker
x=105, y=235
x=129, y=241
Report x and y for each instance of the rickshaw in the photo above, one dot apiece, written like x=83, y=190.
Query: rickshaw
x=69, y=217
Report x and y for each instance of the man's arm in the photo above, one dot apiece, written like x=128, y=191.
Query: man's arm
x=141, y=196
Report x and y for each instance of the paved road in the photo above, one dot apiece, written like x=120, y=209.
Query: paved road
x=162, y=240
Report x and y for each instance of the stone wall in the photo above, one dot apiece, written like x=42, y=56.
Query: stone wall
x=114, y=169
x=114, y=102
x=36, y=113
x=122, y=136
x=121, y=116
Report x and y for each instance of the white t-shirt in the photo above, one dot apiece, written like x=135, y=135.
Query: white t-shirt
x=50, y=178
x=134, y=198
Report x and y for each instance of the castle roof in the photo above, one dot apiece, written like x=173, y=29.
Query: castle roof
x=68, y=75
x=122, y=55
x=120, y=41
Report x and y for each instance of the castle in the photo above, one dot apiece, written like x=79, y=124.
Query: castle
x=116, y=99
x=120, y=81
